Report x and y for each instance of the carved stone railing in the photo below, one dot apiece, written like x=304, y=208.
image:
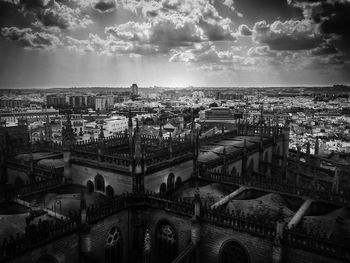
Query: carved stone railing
x=97, y=212
x=240, y=222
x=31, y=188
x=35, y=236
x=264, y=227
x=316, y=243
x=15, y=164
x=37, y=146
x=39, y=186
x=278, y=186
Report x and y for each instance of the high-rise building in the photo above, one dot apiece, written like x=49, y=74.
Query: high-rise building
x=55, y=100
x=134, y=90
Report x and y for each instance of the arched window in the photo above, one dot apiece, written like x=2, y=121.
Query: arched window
x=47, y=259
x=178, y=182
x=233, y=252
x=250, y=166
x=99, y=183
x=113, y=250
x=171, y=181
x=266, y=157
x=166, y=242
x=90, y=187
x=162, y=189
x=109, y=191
x=19, y=181
x=234, y=171
x=278, y=150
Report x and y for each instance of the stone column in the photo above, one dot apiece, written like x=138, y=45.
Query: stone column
x=67, y=166
x=277, y=248
x=195, y=226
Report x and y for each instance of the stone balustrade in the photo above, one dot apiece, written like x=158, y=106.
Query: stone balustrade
x=241, y=222
x=278, y=186
x=35, y=236
x=314, y=241
x=258, y=226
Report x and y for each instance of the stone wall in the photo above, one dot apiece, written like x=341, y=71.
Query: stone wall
x=182, y=170
x=213, y=237
x=63, y=250
x=95, y=239
x=294, y=255
x=120, y=183
x=12, y=174
x=181, y=224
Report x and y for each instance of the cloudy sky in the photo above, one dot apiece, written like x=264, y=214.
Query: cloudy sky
x=64, y=43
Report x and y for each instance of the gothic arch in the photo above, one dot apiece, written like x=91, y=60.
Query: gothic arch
x=113, y=249
x=233, y=171
x=19, y=181
x=232, y=251
x=90, y=188
x=166, y=242
x=278, y=150
x=47, y=259
x=178, y=182
x=109, y=191
x=162, y=189
x=266, y=156
x=99, y=183
x=171, y=181
x=250, y=167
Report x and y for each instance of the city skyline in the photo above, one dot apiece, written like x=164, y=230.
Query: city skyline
x=59, y=43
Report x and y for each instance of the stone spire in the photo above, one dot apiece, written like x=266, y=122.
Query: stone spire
x=308, y=151
x=317, y=145
x=261, y=120
x=130, y=123
x=160, y=134
x=101, y=135
x=48, y=129
x=137, y=169
x=68, y=137
x=137, y=135
x=147, y=247
x=41, y=136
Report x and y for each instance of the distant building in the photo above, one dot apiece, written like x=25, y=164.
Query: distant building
x=29, y=115
x=219, y=117
x=103, y=103
x=55, y=100
x=9, y=103
x=115, y=124
x=219, y=113
x=134, y=90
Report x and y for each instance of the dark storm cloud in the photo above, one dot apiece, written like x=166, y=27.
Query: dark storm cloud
x=35, y=3
x=105, y=6
x=11, y=16
x=217, y=31
x=333, y=18
x=29, y=39
x=324, y=50
x=287, y=35
x=47, y=13
x=268, y=10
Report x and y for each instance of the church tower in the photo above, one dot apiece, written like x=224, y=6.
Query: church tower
x=68, y=141
x=138, y=162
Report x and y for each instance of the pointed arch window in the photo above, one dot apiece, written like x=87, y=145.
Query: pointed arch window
x=99, y=183
x=113, y=249
x=233, y=252
x=166, y=242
